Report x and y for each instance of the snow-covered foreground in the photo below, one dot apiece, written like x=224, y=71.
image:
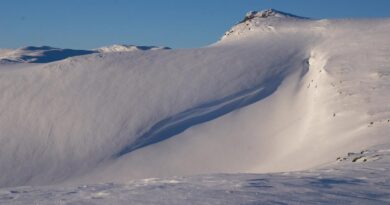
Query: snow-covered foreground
x=278, y=93
x=346, y=182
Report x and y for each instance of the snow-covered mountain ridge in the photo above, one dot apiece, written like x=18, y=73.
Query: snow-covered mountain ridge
x=46, y=54
x=38, y=54
x=287, y=94
x=127, y=48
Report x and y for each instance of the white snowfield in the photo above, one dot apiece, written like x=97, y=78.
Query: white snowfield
x=345, y=182
x=278, y=93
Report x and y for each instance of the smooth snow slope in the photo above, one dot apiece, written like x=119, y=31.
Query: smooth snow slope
x=279, y=93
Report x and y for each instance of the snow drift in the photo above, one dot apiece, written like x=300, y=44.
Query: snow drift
x=277, y=93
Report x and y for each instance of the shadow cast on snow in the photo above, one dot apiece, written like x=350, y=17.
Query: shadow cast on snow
x=178, y=123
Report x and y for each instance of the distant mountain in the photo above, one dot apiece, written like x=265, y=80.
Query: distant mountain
x=40, y=54
x=46, y=54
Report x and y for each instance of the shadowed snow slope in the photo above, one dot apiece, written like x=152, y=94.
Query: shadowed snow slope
x=41, y=54
x=288, y=94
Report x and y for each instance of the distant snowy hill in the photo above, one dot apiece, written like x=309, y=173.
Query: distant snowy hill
x=40, y=54
x=46, y=54
x=278, y=93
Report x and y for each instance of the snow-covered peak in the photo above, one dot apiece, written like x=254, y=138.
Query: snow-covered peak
x=264, y=21
x=292, y=94
x=269, y=13
x=127, y=48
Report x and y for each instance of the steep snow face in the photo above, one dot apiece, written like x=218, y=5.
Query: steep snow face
x=330, y=102
x=285, y=99
x=63, y=119
x=127, y=48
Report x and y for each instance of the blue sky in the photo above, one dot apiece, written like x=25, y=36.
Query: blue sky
x=176, y=23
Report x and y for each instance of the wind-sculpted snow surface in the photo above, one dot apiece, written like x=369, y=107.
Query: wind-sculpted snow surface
x=178, y=123
x=340, y=183
x=278, y=93
x=63, y=119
